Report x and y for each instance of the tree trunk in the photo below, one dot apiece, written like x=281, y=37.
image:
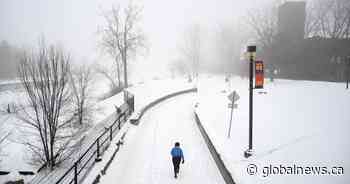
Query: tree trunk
x=52, y=165
x=125, y=70
x=81, y=115
x=118, y=71
x=119, y=80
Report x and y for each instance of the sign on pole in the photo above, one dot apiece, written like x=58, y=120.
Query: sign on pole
x=235, y=106
x=233, y=96
x=259, y=74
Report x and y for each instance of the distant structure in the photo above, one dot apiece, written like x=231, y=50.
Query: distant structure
x=8, y=61
x=291, y=21
x=303, y=58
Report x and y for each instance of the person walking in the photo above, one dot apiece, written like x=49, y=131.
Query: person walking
x=177, y=156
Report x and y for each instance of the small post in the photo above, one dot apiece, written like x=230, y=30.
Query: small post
x=98, y=148
x=132, y=104
x=119, y=123
x=229, y=130
x=8, y=108
x=76, y=173
x=347, y=72
x=110, y=133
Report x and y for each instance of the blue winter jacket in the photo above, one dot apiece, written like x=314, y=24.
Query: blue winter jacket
x=177, y=152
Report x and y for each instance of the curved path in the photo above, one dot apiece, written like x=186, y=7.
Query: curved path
x=145, y=157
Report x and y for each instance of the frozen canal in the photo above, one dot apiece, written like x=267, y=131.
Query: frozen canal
x=145, y=157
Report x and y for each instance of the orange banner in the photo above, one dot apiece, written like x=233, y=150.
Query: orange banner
x=259, y=74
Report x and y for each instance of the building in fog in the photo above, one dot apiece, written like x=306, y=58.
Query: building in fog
x=298, y=57
x=8, y=60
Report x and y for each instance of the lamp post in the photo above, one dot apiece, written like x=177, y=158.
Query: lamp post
x=347, y=72
x=251, y=51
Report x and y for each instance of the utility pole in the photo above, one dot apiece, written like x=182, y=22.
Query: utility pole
x=251, y=50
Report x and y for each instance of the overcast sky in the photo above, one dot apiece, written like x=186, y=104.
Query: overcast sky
x=74, y=23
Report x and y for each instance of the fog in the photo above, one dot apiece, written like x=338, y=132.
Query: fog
x=74, y=24
x=224, y=29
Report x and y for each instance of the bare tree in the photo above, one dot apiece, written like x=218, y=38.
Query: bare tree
x=111, y=49
x=328, y=18
x=47, y=116
x=312, y=25
x=263, y=23
x=230, y=39
x=111, y=74
x=122, y=36
x=191, y=48
x=81, y=80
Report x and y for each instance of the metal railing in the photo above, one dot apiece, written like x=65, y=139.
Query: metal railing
x=84, y=163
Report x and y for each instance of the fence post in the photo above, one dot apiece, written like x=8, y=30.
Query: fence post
x=98, y=147
x=119, y=123
x=76, y=173
x=111, y=132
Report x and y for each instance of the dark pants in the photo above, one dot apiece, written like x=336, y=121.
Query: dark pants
x=176, y=163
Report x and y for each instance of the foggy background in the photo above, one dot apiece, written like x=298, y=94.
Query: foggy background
x=74, y=25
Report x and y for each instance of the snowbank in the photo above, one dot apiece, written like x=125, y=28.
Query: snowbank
x=297, y=123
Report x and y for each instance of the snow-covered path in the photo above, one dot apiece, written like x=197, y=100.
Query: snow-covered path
x=145, y=156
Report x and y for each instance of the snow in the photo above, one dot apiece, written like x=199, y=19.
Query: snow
x=145, y=155
x=9, y=81
x=300, y=123
x=13, y=150
x=146, y=93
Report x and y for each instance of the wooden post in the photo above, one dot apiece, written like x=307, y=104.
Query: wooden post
x=76, y=173
x=111, y=132
x=98, y=147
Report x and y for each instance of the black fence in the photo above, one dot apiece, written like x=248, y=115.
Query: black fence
x=77, y=172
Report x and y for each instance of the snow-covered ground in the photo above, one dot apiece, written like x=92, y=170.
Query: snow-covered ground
x=145, y=92
x=14, y=156
x=145, y=155
x=297, y=123
x=9, y=81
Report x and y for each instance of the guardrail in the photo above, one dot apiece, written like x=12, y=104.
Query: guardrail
x=225, y=173
x=84, y=163
x=136, y=119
